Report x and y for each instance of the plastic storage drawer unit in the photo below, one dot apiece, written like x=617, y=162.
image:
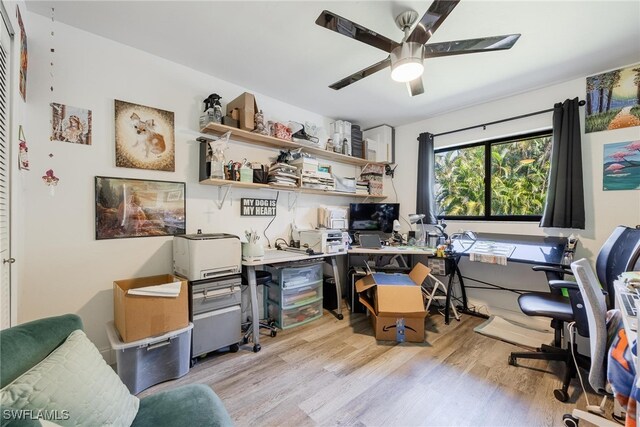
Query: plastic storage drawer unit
x=150, y=361
x=296, y=316
x=295, y=297
x=294, y=276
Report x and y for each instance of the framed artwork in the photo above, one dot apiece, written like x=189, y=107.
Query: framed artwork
x=70, y=124
x=145, y=137
x=621, y=166
x=22, y=78
x=613, y=100
x=128, y=207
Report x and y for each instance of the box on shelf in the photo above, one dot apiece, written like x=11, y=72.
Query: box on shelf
x=247, y=107
x=345, y=185
x=305, y=164
x=395, y=303
x=137, y=317
x=143, y=363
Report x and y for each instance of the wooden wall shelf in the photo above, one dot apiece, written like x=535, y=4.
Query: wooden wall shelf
x=269, y=141
x=238, y=184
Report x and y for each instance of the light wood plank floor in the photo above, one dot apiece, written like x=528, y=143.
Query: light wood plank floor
x=333, y=372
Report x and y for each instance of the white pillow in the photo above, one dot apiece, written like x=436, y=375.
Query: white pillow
x=75, y=383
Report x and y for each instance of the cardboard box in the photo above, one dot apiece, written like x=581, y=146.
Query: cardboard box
x=247, y=107
x=396, y=304
x=137, y=317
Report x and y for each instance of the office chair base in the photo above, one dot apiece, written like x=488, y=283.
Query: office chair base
x=561, y=395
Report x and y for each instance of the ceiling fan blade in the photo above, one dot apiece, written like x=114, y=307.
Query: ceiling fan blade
x=361, y=74
x=340, y=25
x=459, y=47
x=415, y=87
x=431, y=20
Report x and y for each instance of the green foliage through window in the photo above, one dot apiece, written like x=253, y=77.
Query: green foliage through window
x=517, y=178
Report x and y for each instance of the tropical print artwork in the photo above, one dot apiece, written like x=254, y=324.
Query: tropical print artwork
x=621, y=166
x=613, y=100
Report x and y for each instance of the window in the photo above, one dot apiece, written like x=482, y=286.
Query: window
x=503, y=179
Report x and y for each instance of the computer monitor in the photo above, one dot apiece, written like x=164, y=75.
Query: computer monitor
x=373, y=216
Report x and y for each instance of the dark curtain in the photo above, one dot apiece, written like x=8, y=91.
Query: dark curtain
x=426, y=203
x=564, y=207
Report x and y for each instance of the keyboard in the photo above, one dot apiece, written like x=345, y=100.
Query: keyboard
x=629, y=302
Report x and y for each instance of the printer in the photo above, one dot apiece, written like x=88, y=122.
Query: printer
x=206, y=256
x=325, y=241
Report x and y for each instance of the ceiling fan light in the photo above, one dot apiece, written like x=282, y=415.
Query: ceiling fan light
x=406, y=62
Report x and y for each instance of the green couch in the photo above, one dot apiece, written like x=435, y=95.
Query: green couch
x=24, y=346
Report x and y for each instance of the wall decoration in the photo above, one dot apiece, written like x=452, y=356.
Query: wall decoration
x=139, y=208
x=23, y=57
x=613, y=100
x=258, y=207
x=621, y=166
x=70, y=124
x=51, y=180
x=23, y=157
x=145, y=137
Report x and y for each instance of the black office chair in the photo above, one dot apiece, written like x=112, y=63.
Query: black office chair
x=621, y=252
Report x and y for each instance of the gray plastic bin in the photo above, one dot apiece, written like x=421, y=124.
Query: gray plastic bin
x=147, y=362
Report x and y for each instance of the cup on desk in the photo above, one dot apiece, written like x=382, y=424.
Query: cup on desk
x=252, y=251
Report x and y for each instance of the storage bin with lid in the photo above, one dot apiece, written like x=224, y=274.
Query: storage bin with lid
x=150, y=361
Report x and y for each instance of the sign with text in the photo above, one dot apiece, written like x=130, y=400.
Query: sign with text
x=258, y=207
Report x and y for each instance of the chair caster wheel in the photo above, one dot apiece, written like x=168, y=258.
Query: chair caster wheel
x=273, y=333
x=245, y=340
x=512, y=360
x=340, y=317
x=561, y=395
x=256, y=348
x=569, y=420
x=233, y=348
x=192, y=363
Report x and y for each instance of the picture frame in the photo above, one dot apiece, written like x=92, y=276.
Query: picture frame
x=128, y=207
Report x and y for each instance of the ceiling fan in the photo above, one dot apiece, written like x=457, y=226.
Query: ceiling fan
x=406, y=58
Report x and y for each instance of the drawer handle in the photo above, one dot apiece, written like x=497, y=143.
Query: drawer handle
x=216, y=296
x=158, y=345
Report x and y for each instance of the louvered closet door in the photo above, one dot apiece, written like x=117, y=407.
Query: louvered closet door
x=5, y=248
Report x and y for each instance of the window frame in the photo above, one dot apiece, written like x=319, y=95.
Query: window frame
x=488, y=145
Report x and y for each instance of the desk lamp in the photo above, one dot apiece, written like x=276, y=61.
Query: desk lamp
x=414, y=219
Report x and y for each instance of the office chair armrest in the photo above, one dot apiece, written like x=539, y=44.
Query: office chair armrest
x=559, y=284
x=552, y=269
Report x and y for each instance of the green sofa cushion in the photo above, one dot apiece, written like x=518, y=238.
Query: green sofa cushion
x=191, y=405
x=24, y=346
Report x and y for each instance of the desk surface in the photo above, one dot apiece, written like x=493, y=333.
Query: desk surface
x=538, y=250
x=393, y=250
x=272, y=256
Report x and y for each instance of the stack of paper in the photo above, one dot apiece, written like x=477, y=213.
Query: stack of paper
x=283, y=175
x=362, y=187
x=168, y=290
x=317, y=180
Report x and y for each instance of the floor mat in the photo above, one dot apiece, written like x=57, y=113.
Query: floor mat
x=499, y=328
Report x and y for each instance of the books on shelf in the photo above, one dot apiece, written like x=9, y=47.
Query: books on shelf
x=283, y=175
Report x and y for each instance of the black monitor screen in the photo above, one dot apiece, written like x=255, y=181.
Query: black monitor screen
x=373, y=216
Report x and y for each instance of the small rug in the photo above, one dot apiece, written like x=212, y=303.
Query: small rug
x=499, y=328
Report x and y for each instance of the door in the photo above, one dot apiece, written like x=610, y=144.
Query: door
x=5, y=199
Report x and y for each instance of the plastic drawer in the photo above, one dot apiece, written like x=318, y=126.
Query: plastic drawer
x=294, y=297
x=291, y=277
x=214, y=295
x=291, y=317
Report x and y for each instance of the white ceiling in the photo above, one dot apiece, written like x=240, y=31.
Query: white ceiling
x=275, y=48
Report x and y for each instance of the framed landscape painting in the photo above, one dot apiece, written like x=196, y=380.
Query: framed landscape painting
x=621, y=166
x=613, y=100
x=139, y=208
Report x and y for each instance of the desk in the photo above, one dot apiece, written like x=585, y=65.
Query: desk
x=452, y=260
x=273, y=256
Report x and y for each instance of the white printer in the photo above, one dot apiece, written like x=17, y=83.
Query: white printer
x=206, y=256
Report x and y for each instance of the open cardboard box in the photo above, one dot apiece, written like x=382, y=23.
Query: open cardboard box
x=395, y=303
x=247, y=107
x=137, y=317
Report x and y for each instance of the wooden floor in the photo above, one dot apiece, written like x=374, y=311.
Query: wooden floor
x=333, y=372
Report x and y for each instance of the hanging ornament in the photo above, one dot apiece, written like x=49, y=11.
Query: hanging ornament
x=23, y=157
x=51, y=180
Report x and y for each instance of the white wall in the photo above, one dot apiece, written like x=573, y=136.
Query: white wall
x=604, y=209
x=63, y=268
